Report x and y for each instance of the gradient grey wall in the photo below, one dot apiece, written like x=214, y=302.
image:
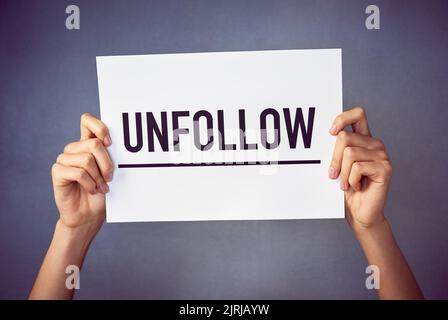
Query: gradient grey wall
x=48, y=79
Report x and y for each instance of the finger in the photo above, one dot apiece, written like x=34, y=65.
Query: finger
x=349, y=139
x=92, y=127
x=84, y=161
x=63, y=176
x=355, y=117
x=95, y=147
x=352, y=155
x=376, y=171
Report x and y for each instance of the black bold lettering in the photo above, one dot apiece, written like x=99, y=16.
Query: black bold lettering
x=162, y=134
x=176, y=130
x=299, y=122
x=222, y=138
x=138, y=125
x=264, y=134
x=243, y=143
x=197, y=138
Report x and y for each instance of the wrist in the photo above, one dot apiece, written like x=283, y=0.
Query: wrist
x=372, y=233
x=372, y=225
x=76, y=239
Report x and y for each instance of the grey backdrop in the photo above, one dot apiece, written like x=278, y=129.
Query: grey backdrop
x=48, y=79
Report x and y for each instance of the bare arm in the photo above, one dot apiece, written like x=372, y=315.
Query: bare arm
x=381, y=249
x=68, y=247
x=363, y=167
x=80, y=177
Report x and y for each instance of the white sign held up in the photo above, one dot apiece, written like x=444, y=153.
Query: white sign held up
x=221, y=136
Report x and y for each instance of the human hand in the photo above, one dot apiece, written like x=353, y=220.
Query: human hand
x=80, y=176
x=363, y=167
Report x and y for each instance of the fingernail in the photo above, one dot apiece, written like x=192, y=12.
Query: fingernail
x=331, y=173
x=333, y=130
x=109, y=177
x=104, y=188
x=344, y=186
x=107, y=141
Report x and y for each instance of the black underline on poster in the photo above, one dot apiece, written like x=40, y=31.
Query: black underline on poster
x=221, y=164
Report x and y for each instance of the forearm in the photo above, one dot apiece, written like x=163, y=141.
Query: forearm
x=381, y=249
x=68, y=247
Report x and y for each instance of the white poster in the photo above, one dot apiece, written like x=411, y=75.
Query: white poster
x=222, y=136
